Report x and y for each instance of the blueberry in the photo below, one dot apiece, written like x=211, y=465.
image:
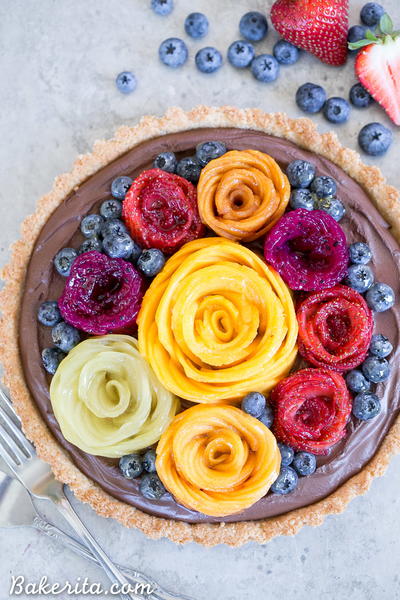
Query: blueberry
x=380, y=297
x=120, y=186
x=300, y=173
x=151, y=261
x=173, y=52
x=360, y=253
x=356, y=382
x=90, y=244
x=310, y=97
x=241, y=53
x=323, y=186
x=265, y=68
x=254, y=404
x=208, y=151
x=285, y=53
x=380, y=346
x=304, y=463
x=49, y=313
x=149, y=460
x=111, y=209
x=119, y=246
x=376, y=369
x=371, y=13
x=337, y=110
x=151, y=486
x=366, y=406
x=51, y=358
x=359, y=96
x=91, y=225
x=360, y=278
x=65, y=336
x=113, y=227
x=356, y=33
x=253, y=26
x=375, y=139
x=301, y=198
x=208, y=59
x=162, y=7
x=126, y=82
x=286, y=481
x=189, y=168
x=131, y=465
x=196, y=25
x=287, y=454
x=166, y=161
x=267, y=416
x=63, y=261
x=332, y=206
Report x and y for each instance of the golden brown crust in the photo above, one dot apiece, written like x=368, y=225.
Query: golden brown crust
x=303, y=133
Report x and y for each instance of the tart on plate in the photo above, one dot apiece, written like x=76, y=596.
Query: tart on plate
x=252, y=298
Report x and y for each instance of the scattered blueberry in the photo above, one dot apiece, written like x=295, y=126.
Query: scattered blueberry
x=356, y=382
x=253, y=26
x=49, y=313
x=92, y=243
x=287, y=454
x=285, y=52
x=337, y=110
x=360, y=253
x=241, y=53
x=265, y=68
x=208, y=59
x=131, y=465
x=380, y=346
x=380, y=297
x=51, y=358
x=360, y=278
x=149, y=460
x=151, y=486
x=332, y=206
x=254, y=404
x=126, y=82
x=120, y=186
x=371, y=13
x=63, y=261
x=113, y=227
x=65, y=336
x=189, y=168
x=267, y=416
x=300, y=173
x=301, y=198
x=111, y=209
x=286, y=481
x=119, y=246
x=162, y=7
x=208, y=151
x=323, y=186
x=310, y=97
x=304, y=463
x=150, y=262
x=91, y=225
x=196, y=25
x=376, y=369
x=359, y=96
x=375, y=139
x=366, y=406
x=173, y=52
x=166, y=161
x=355, y=34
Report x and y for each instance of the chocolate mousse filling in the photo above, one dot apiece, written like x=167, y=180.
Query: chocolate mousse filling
x=362, y=222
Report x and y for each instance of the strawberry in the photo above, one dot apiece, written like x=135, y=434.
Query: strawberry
x=318, y=26
x=377, y=66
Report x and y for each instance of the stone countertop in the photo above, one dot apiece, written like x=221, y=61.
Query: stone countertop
x=59, y=59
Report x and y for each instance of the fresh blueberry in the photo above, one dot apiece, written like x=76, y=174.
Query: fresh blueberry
x=111, y=209
x=375, y=139
x=253, y=26
x=371, y=13
x=65, y=336
x=360, y=253
x=150, y=262
x=323, y=186
x=286, y=481
x=337, y=110
x=332, y=206
x=91, y=225
x=360, y=278
x=380, y=297
x=51, y=358
x=208, y=59
x=254, y=404
x=304, y=463
x=366, y=406
x=120, y=186
x=376, y=369
x=380, y=346
x=300, y=173
x=151, y=486
x=126, y=82
x=149, y=460
x=241, y=53
x=63, y=261
x=356, y=33
x=49, y=313
x=356, y=382
x=287, y=454
x=119, y=246
x=301, y=198
x=131, y=465
x=166, y=161
x=173, y=52
x=196, y=25
x=359, y=96
x=310, y=97
x=189, y=168
x=90, y=244
x=113, y=227
x=162, y=7
x=267, y=416
x=285, y=53
x=265, y=68
x=208, y=151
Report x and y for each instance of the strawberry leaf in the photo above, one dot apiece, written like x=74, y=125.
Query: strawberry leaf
x=386, y=24
x=371, y=36
x=360, y=44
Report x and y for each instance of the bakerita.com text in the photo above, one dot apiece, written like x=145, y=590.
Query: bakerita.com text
x=20, y=586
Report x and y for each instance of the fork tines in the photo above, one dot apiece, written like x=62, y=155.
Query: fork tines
x=13, y=444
